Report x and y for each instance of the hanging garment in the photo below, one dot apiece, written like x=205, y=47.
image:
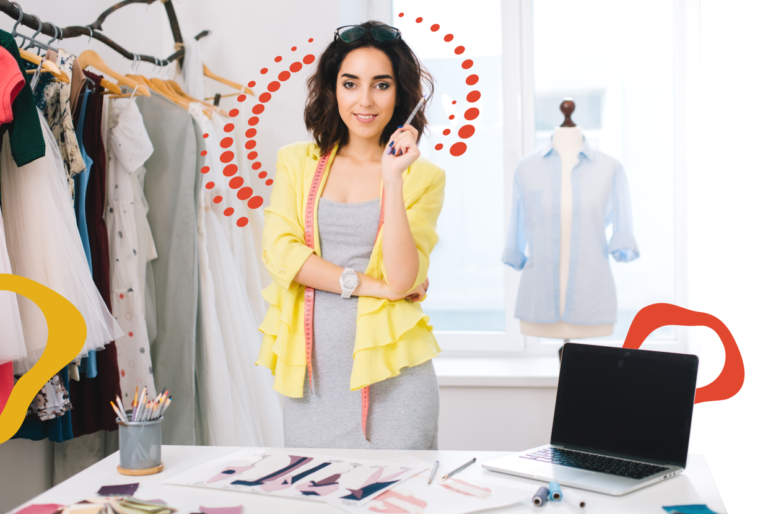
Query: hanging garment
x=170, y=187
x=81, y=183
x=52, y=401
x=26, y=137
x=11, y=82
x=44, y=245
x=600, y=198
x=57, y=430
x=11, y=336
x=91, y=396
x=53, y=100
x=238, y=406
x=192, y=72
x=129, y=147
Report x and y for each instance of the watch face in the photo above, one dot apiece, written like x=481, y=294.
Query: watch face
x=349, y=279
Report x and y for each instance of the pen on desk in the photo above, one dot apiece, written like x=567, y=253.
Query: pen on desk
x=449, y=475
x=434, y=469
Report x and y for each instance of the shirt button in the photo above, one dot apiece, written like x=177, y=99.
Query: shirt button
x=272, y=266
x=281, y=271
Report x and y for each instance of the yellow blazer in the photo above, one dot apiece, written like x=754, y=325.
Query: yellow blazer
x=390, y=335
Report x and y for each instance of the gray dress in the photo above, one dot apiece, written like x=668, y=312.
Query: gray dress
x=403, y=410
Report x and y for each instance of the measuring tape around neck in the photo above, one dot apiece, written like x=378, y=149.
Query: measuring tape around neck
x=309, y=292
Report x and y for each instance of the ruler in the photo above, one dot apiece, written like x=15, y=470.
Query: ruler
x=309, y=292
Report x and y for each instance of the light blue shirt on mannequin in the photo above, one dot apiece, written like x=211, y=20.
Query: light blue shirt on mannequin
x=600, y=199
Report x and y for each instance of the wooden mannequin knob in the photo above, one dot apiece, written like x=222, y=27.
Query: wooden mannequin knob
x=567, y=108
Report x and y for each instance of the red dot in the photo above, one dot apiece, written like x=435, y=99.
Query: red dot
x=435, y=27
x=253, y=121
x=466, y=131
x=472, y=113
x=293, y=49
x=245, y=193
x=265, y=97
x=236, y=182
x=459, y=50
x=295, y=66
x=255, y=202
x=439, y=146
x=226, y=142
x=122, y=296
x=229, y=211
x=451, y=117
x=458, y=149
x=308, y=59
x=249, y=145
x=311, y=39
x=268, y=182
x=473, y=96
x=258, y=109
x=278, y=59
x=446, y=132
x=209, y=185
x=256, y=165
x=453, y=103
x=250, y=132
x=241, y=222
x=230, y=169
x=130, y=334
x=264, y=71
x=472, y=80
x=467, y=64
x=205, y=135
x=227, y=156
x=448, y=38
x=401, y=14
x=122, y=372
x=241, y=98
x=419, y=19
x=252, y=155
x=229, y=127
x=205, y=169
x=283, y=76
x=252, y=83
x=218, y=199
x=263, y=174
x=233, y=113
x=204, y=153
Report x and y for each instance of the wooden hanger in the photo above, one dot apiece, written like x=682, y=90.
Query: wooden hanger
x=173, y=85
x=47, y=65
x=208, y=73
x=91, y=58
x=567, y=108
x=140, y=79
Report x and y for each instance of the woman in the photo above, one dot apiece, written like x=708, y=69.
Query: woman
x=368, y=328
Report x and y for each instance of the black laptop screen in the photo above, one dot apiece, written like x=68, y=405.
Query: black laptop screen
x=626, y=403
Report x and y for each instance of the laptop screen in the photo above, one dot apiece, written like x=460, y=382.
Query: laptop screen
x=634, y=404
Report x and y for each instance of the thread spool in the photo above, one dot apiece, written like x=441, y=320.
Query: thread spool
x=541, y=496
x=574, y=500
x=555, y=494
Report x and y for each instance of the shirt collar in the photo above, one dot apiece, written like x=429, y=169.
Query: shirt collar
x=586, y=149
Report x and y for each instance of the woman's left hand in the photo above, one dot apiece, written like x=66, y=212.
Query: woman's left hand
x=400, y=153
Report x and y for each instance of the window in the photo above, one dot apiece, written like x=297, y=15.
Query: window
x=617, y=63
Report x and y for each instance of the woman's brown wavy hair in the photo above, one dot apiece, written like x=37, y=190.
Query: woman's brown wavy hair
x=321, y=112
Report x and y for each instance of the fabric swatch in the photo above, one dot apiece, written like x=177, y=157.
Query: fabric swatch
x=40, y=508
x=689, y=509
x=118, y=490
x=221, y=510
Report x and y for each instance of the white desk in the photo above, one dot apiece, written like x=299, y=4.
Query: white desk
x=695, y=485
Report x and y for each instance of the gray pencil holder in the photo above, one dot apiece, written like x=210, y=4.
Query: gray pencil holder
x=140, y=445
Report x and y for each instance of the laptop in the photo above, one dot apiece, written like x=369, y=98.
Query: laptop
x=622, y=421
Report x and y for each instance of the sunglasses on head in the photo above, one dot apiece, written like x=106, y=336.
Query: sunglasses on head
x=352, y=33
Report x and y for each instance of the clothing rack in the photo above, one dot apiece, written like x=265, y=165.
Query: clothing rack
x=92, y=30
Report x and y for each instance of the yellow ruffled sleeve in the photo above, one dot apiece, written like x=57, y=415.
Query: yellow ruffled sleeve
x=395, y=335
x=282, y=347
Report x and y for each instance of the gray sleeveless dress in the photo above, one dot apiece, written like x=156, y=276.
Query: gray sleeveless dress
x=403, y=412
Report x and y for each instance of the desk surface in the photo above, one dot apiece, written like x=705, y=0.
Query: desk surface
x=695, y=485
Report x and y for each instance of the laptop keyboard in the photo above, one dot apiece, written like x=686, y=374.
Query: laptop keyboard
x=590, y=462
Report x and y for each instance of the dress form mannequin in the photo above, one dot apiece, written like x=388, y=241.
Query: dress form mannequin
x=567, y=142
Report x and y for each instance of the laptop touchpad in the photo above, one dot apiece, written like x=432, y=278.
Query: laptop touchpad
x=560, y=473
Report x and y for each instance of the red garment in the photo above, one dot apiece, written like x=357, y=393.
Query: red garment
x=6, y=383
x=90, y=397
x=11, y=82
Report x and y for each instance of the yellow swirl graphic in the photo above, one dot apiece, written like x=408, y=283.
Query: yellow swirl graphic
x=66, y=337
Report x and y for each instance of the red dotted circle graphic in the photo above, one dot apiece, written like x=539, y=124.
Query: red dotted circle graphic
x=472, y=113
x=459, y=50
x=419, y=19
x=439, y=146
x=229, y=127
x=241, y=222
x=252, y=83
x=466, y=131
x=263, y=174
x=205, y=136
x=236, y=182
x=458, y=149
x=250, y=132
x=265, y=97
x=263, y=71
x=217, y=199
x=241, y=98
x=473, y=96
x=284, y=75
x=401, y=14
x=233, y=113
x=226, y=142
x=446, y=132
x=293, y=49
x=308, y=59
x=230, y=169
x=244, y=193
x=250, y=145
x=227, y=156
x=209, y=185
x=229, y=211
x=258, y=109
x=273, y=86
x=310, y=39
x=295, y=67
x=255, y=202
x=268, y=182
x=472, y=80
x=451, y=116
x=435, y=27
x=256, y=165
x=467, y=64
x=448, y=38
x=205, y=169
x=253, y=121
x=204, y=153
x=278, y=59
x=252, y=155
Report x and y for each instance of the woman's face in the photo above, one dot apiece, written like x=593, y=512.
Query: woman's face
x=366, y=92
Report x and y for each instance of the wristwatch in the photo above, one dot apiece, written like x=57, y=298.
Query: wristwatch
x=349, y=281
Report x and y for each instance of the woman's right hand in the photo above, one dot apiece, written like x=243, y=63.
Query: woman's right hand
x=416, y=295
